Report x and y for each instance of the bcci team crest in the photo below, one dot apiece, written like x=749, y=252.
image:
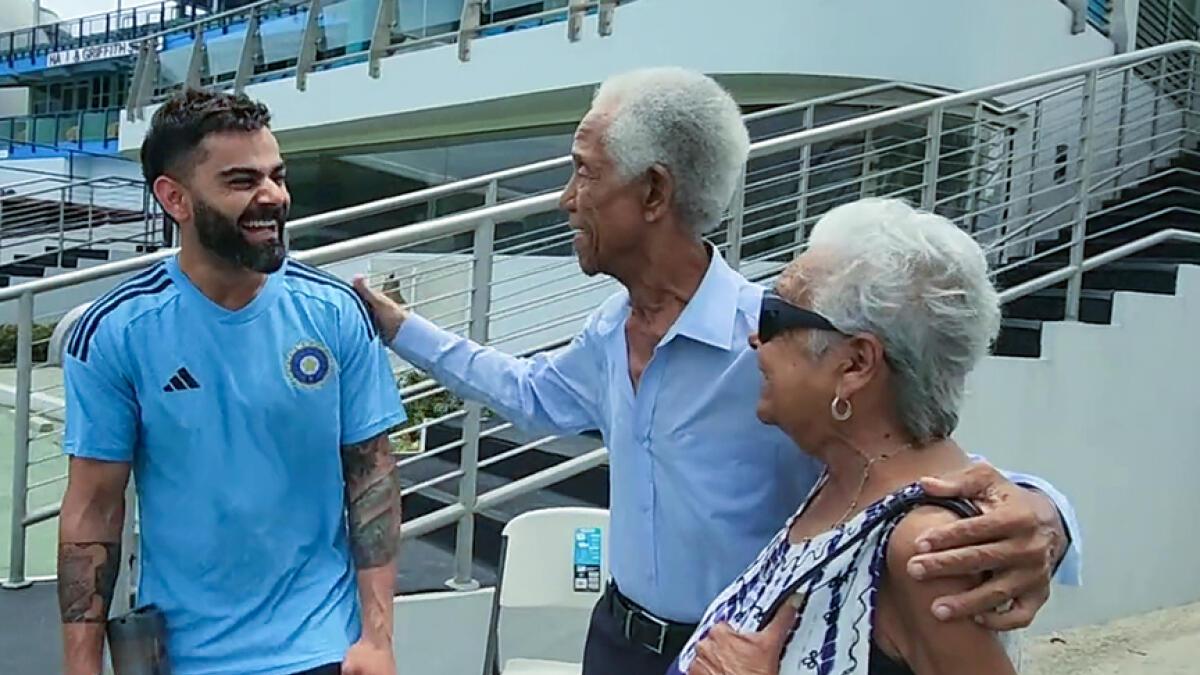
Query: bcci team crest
x=309, y=364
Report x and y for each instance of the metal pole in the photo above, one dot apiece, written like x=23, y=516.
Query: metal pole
x=1035, y=137
x=933, y=153
x=973, y=182
x=62, y=222
x=1190, y=110
x=1158, y=90
x=20, y=477
x=468, y=489
x=1122, y=114
x=802, y=187
x=737, y=218
x=1079, y=230
x=866, y=186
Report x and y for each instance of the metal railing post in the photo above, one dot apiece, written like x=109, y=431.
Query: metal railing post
x=477, y=331
x=575, y=12
x=1078, y=16
x=308, y=44
x=197, y=65
x=1122, y=118
x=20, y=477
x=974, y=180
x=933, y=154
x=1035, y=133
x=468, y=23
x=1190, y=109
x=866, y=186
x=62, y=222
x=381, y=35
x=251, y=44
x=607, y=9
x=737, y=219
x=1158, y=95
x=1079, y=229
x=803, y=183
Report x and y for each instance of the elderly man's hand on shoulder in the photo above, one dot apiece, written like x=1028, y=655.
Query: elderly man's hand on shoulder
x=388, y=306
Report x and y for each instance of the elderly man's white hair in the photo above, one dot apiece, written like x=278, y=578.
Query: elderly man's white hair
x=684, y=121
x=918, y=283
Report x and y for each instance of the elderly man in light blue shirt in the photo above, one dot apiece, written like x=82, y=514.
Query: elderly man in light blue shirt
x=664, y=371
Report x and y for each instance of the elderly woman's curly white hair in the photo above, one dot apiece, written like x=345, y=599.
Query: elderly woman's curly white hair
x=919, y=284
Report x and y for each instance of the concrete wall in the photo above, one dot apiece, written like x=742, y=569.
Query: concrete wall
x=957, y=44
x=1111, y=415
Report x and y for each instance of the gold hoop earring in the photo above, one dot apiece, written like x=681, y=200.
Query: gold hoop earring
x=839, y=413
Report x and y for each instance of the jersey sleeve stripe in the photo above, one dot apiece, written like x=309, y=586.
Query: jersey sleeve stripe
x=140, y=280
x=302, y=272
x=85, y=342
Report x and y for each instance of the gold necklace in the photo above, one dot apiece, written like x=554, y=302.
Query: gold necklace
x=866, y=475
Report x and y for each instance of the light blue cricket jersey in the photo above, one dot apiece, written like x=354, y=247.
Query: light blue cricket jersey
x=233, y=421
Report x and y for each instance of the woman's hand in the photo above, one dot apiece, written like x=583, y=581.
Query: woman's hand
x=724, y=651
x=1019, y=539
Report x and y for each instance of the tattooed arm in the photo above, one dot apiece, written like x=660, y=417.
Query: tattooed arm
x=373, y=506
x=89, y=553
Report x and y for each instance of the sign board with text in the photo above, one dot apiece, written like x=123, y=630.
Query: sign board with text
x=112, y=50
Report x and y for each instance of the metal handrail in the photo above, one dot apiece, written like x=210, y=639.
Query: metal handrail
x=384, y=205
x=843, y=128
x=117, y=181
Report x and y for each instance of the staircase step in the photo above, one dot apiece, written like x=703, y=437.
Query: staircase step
x=1020, y=338
x=1125, y=275
x=1095, y=306
x=23, y=269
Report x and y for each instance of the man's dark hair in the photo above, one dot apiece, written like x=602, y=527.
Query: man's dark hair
x=186, y=119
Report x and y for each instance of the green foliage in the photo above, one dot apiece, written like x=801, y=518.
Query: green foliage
x=8, y=342
x=425, y=407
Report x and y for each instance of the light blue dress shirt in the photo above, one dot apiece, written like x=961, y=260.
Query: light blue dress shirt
x=698, y=485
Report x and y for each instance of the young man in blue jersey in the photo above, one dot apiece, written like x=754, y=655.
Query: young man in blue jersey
x=251, y=398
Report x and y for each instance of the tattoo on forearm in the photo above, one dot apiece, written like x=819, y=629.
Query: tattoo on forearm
x=87, y=574
x=373, y=499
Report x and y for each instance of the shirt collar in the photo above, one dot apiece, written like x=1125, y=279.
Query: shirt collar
x=710, y=315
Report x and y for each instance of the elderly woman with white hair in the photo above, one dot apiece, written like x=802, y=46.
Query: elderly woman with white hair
x=864, y=348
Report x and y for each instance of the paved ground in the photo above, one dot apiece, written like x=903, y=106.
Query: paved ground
x=1166, y=642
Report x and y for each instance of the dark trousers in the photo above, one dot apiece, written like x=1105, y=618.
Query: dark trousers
x=607, y=652
x=327, y=669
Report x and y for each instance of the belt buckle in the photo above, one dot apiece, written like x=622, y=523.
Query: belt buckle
x=654, y=621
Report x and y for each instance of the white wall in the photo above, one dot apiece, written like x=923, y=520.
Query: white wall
x=1111, y=415
x=958, y=44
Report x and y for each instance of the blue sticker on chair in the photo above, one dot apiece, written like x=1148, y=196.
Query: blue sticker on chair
x=587, y=559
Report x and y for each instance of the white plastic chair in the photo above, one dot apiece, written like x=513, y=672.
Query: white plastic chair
x=542, y=606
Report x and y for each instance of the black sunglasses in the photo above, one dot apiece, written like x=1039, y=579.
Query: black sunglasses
x=778, y=315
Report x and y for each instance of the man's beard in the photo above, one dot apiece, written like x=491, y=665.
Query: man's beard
x=222, y=237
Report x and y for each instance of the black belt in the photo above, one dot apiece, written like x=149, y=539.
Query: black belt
x=643, y=628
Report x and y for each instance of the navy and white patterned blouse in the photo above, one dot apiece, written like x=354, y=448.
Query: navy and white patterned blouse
x=840, y=571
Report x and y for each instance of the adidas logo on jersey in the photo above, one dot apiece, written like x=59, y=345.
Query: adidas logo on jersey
x=182, y=380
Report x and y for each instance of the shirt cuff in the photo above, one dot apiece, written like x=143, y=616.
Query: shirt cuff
x=419, y=341
x=1070, y=568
